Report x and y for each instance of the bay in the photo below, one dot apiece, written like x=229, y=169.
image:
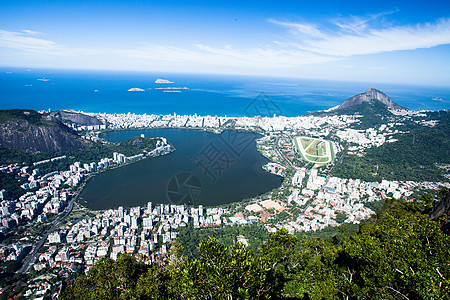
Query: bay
x=233, y=171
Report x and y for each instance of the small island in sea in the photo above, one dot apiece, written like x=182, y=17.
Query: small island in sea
x=163, y=81
x=136, y=90
x=172, y=88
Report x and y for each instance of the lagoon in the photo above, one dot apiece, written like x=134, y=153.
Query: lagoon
x=206, y=168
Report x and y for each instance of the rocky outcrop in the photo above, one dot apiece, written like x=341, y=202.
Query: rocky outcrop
x=74, y=117
x=36, y=133
x=369, y=95
x=441, y=208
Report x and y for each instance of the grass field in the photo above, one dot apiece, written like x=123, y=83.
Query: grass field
x=305, y=142
x=314, y=150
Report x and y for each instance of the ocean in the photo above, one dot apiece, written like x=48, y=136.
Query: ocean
x=107, y=91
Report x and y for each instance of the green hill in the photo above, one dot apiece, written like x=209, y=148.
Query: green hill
x=31, y=116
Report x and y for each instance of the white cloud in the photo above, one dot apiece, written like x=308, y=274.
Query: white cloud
x=303, y=29
x=273, y=55
x=30, y=32
x=23, y=41
x=359, y=24
x=305, y=44
x=226, y=56
x=356, y=36
x=355, y=25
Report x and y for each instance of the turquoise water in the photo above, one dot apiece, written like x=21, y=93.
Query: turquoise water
x=234, y=174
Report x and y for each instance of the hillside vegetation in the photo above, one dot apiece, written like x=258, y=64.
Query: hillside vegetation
x=414, y=156
x=398, y=254
x=31, y=116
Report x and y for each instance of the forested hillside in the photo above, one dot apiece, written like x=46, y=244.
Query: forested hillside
x=416, y=155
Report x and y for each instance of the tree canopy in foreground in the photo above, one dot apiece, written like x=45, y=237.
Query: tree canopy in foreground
x=398, y=254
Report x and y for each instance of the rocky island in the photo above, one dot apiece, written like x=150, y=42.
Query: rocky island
x=136, y=90
x=163, y=81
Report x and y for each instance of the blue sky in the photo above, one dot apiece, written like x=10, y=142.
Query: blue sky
x=376, y=41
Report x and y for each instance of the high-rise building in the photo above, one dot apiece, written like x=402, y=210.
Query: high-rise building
x=135, y=211
x=148, y=223
x=105, y=222
x=127, y=218
x=134, y=222
x=3, y=194
x=54, y=238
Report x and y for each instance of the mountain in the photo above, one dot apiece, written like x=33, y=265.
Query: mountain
x=29, y=130
x=368, y=96
x=372, y=107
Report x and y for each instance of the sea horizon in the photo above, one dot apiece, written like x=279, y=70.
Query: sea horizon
x=206, y=94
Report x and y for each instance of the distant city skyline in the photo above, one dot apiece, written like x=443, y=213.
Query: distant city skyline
x=405, y=42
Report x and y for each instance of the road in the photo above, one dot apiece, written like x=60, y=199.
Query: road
x=282, y=155
x=31, y=258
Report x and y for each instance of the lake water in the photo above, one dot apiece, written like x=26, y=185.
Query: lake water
x=206, y=168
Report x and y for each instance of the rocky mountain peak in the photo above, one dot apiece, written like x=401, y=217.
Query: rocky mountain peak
x=369, y=95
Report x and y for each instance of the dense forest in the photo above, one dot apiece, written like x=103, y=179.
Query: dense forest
x=191, y=237
x=397, y=254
